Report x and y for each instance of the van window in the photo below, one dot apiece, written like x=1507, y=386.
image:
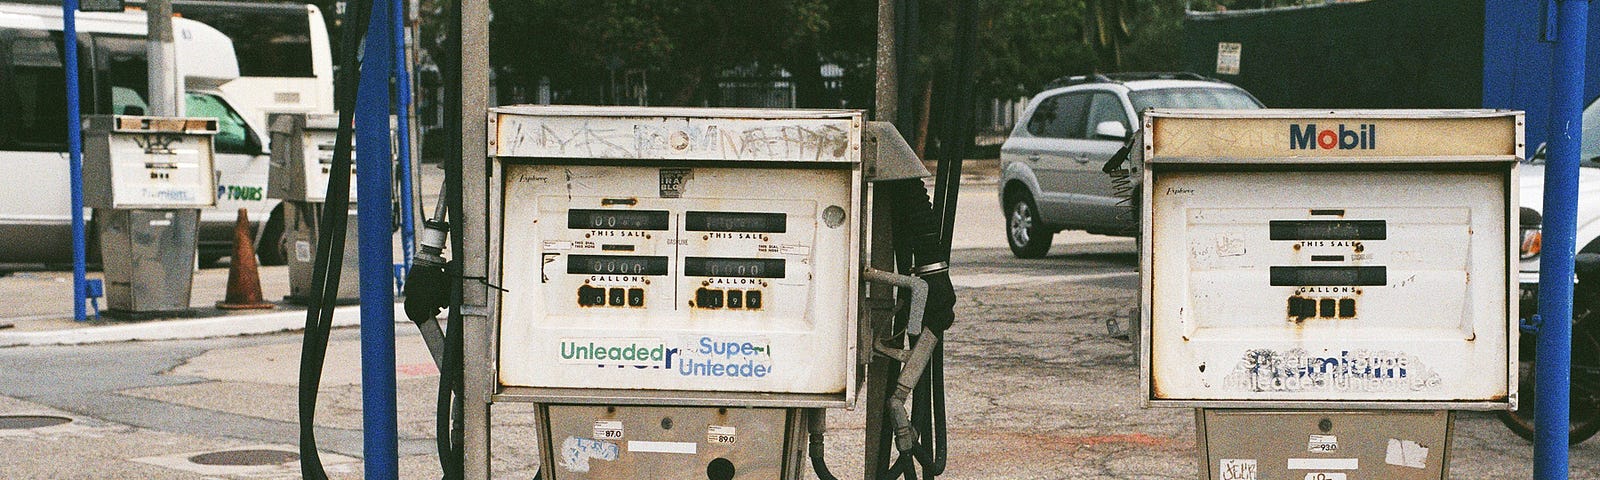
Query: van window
x=233, y=135
x=270, y=40
x=33, y=89
x=122, y=79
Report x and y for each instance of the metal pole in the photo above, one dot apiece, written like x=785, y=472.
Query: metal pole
x=1554, y=350
x=881, y=371
x=380, y=441
x=69, y=14
x=477, y=376
x=402, y=86
x=165, y=92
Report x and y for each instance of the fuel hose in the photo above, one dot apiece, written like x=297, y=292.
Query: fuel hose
x=330, y=243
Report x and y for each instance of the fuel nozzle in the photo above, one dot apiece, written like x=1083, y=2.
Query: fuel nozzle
x=427, y=286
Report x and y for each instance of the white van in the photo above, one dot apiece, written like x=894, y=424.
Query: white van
x=35, y=198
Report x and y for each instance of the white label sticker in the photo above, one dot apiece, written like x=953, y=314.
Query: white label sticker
x=720, y=434
x=1406, y=453
x=1323, y=444
x=607, y=430
x=687, y=448
x=1324, y=464
x=1237, y=469
x=576, y=453
x=302, y=251
x=557, y=245
x=1326, y=476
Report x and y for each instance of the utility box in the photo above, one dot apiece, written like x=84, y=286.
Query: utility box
x=675, y=283
x=147, y=178
x=1327, y=286
x=302, y=162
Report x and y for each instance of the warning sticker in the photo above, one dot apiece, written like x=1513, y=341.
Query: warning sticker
x=1228, y=54
x=607, y=430
x=720, y=434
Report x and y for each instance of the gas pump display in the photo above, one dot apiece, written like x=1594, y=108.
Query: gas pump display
x=1302, y=270
x=726, y=268
x=149, y=162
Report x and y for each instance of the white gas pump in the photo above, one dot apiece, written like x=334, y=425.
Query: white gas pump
x=147, y=179
x=1326, y=287
x=302, y=157
x=680, y=291
x=675, y=285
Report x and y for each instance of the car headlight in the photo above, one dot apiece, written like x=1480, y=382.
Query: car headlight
x=1532, y=233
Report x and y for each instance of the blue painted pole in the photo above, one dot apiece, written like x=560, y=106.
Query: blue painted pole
x=380, y=441
x=1554, y=350
x=402, y=86
x=69, y=17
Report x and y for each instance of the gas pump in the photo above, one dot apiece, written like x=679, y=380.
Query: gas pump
x=302, y=159
x=1327, y=288
x=147, y=178
x=679, y=291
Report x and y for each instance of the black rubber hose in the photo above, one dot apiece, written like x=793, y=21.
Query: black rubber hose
x=330, y=244
x=919, y=250
x=452, y=455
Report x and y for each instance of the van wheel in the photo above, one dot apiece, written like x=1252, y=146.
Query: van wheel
x=1025, y=232
x=271, y=249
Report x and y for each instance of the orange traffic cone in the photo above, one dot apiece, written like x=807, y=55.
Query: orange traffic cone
x=244, y=282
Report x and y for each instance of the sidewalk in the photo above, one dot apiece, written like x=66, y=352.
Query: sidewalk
x=42, y=311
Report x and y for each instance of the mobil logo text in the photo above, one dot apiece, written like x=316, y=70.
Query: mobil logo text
x=1342, y=137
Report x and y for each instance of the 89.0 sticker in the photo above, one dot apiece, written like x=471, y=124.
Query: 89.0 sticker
x=720, y=434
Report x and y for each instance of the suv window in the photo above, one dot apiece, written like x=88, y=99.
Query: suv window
x=233, y=135
x=1105, y=107
x=1060, y=116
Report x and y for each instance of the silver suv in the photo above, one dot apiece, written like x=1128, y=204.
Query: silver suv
x=1051, y=176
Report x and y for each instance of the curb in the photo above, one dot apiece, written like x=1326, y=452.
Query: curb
x=189, y=329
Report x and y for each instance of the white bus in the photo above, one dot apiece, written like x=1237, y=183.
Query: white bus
x=35, y=199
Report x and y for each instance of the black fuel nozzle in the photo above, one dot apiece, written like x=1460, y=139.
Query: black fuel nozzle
x=427, y=285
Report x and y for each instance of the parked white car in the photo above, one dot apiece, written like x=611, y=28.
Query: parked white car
x=1050, y=167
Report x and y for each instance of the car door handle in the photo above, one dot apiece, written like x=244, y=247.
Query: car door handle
x=1033, y=158
x=1081, y=159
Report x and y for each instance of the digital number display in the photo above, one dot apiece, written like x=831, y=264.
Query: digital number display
x=617, y=219
x=733, y=267
x=1329, y=229
x=616, y=265
x=744, y=222
x=1329, y=276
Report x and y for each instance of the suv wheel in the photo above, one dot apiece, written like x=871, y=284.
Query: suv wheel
x=1025, y=233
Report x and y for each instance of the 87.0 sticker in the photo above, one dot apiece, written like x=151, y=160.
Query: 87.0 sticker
x=720, y=434
x=607, y=430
